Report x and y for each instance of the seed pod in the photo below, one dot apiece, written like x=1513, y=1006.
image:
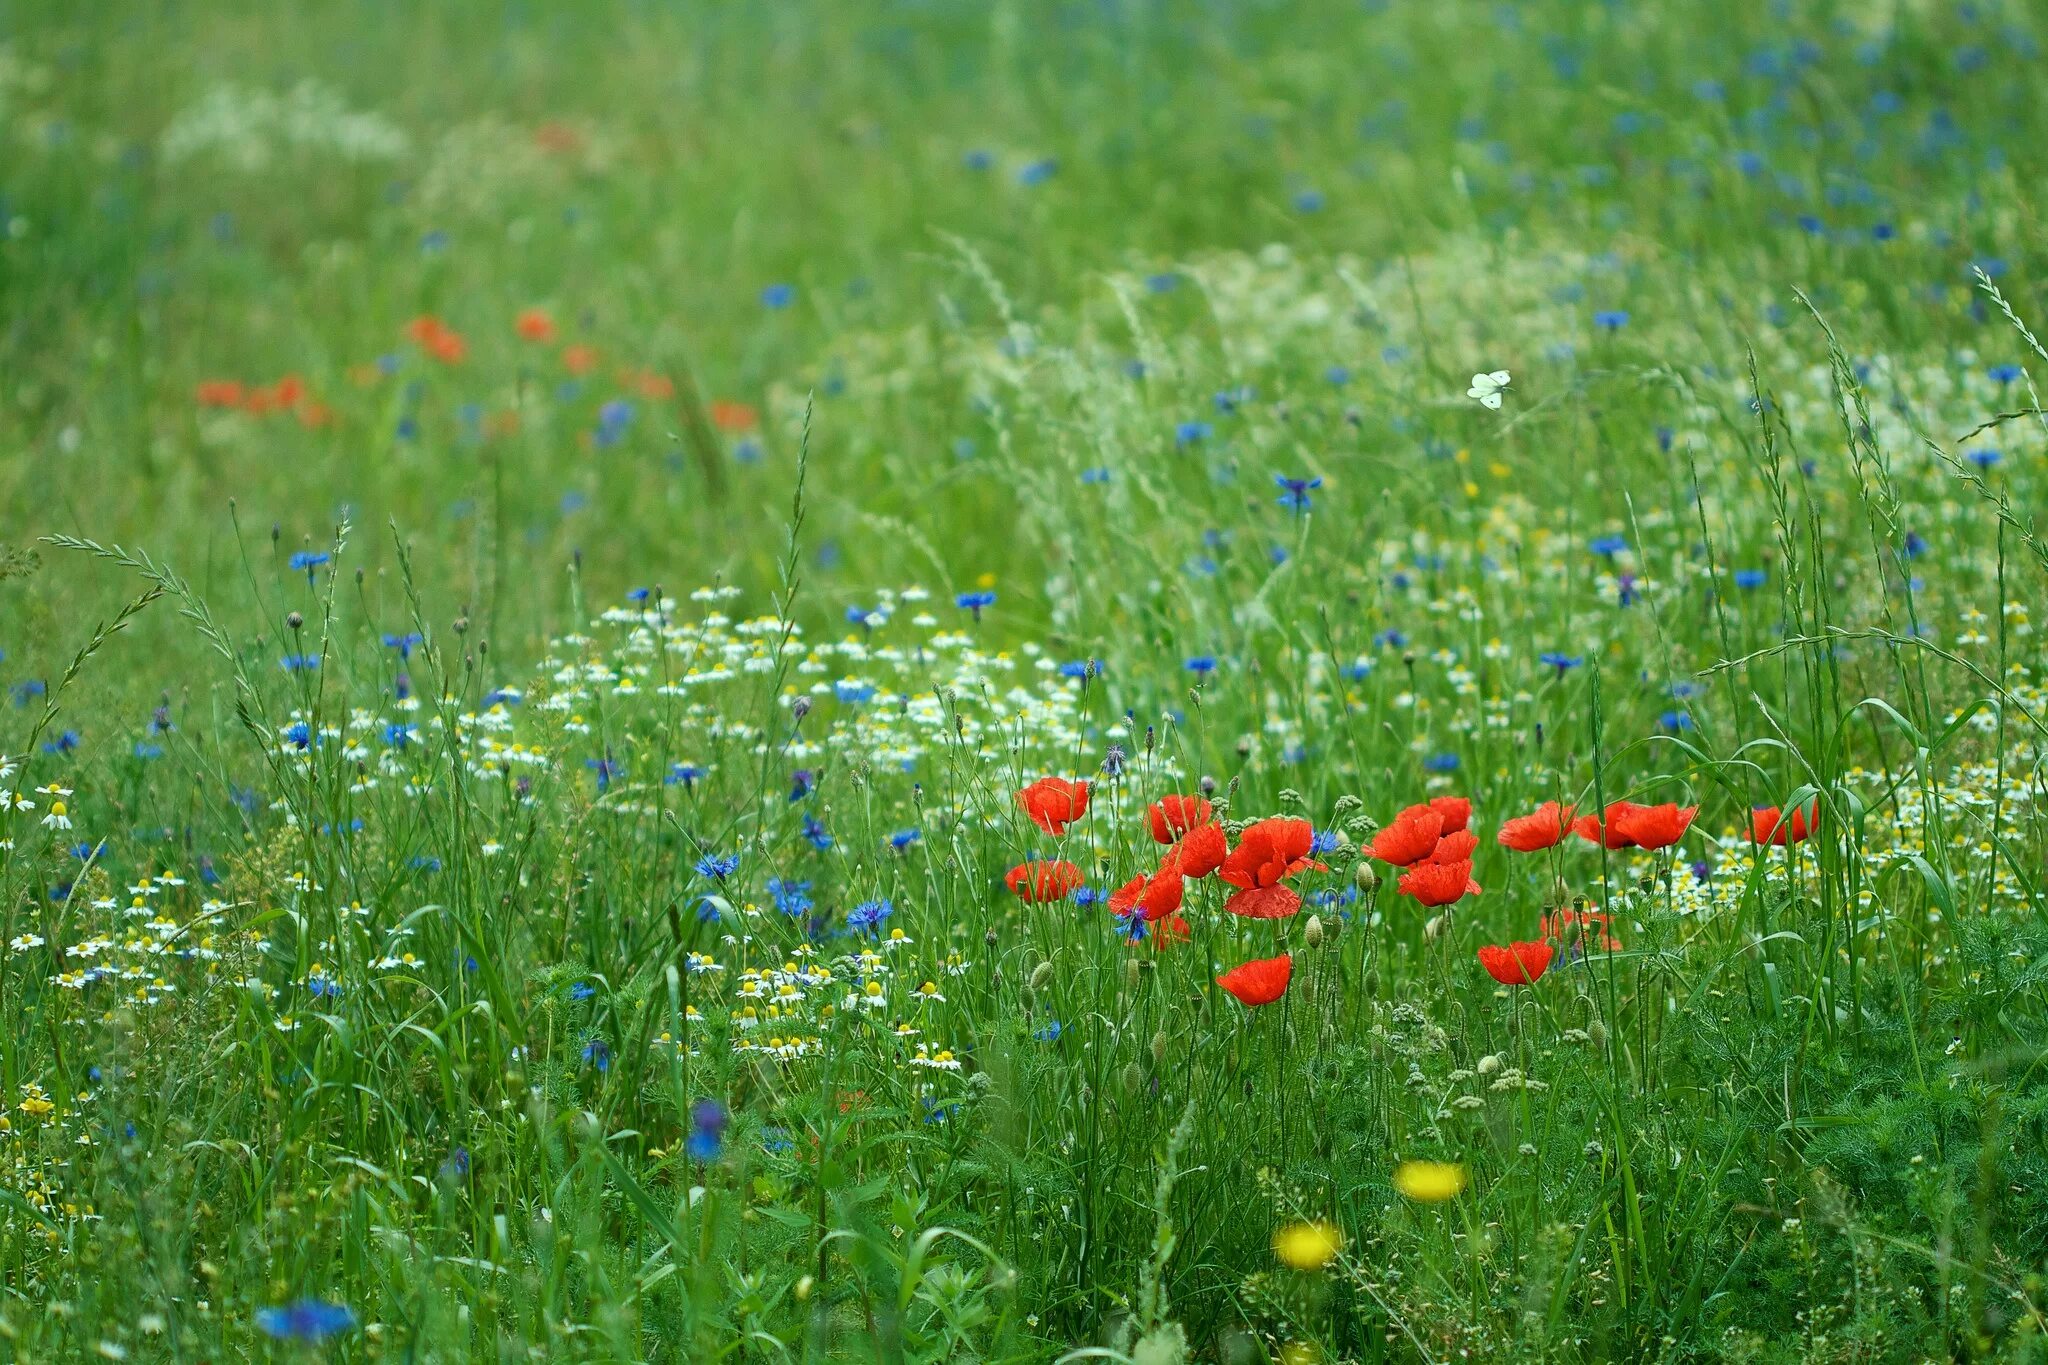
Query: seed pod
x=1367, y=878
x=1131, y=972
x=1488, y=1065
x=1597, y=1031
x=1312, y=933
x=1134, y=1076
x=1041, y=975
x=1159, y=1048
x=1434, y=929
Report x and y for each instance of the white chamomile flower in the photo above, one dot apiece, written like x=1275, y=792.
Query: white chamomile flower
x=1487, y=388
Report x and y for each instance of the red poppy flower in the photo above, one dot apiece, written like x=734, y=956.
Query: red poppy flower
x=579, y=359
x=1259, y=982
x=654, y=387
x=1768, y=825
x=727, y=415
x=1155, y=896
x=1167, y=932
x=219, y=393
x=1038, y=881
x=1411, y=838
x=1173, y=817
x=1586, y=926
x=1539, y=829
x=1437, y=884
x=1615, y=832
x=1201, y=851
x=437, y=338
x=1269, y=852
x=1263, y=902
x=1053, y=803
x=287, y=392
x=1518, y=964
x=1651, y=826
x=1456, y=811
x=1454, y=848
x=535, y=325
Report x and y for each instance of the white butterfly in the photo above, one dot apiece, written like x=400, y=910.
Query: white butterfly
x=1487, y=387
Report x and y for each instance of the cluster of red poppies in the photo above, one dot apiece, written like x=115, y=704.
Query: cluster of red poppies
x=1431, y=844
x=1268, y=853
x=288, y=394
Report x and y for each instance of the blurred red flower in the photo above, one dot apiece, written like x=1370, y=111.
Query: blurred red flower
x=1651, y=826
x=1040, y=880
x=1768, y=825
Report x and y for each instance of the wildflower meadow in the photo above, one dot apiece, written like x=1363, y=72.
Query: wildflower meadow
x=1104, y=680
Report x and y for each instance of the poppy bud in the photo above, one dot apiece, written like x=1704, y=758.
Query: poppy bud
x=1367, y=879
x=1434, y=929
x=1597, y=1031
x=1159, y=1048
x=1561, y=893
x=1488, y=1065
x=1134, y=1076
x=1131, y=972
x=1312, y=933
x=1041, y=976
x=1372, y=981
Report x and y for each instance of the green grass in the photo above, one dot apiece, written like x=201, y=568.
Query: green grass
x=402, y=721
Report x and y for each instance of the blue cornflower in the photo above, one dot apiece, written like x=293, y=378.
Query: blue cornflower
x=685, y=774
x=869, y=916
x=305, y=561
x=1165, y=282
x=25, y=691
x=403, y=643
x=144, y=749
x=1323, y=841
x=1189, y=433
x=1390, y=639
x=707, y=1130
x=904, y=838
x=778, y=296
x=1201, y=665
x=1294, y=491
x=605, y=769
x=1610, y=319
x=791, y=898
x=1086, y=896
x=1338, y=375
x=62, y=744
x=1358, y=670
x=1625, y=590
x=853, y=693
x=1915, y=545
x=1675, y=721
x=299, y=663
x=975, y=601
x=1562, y=662
x=814, y=834
x=1984, y=456
x=456, y=1167
x=718, y=866
x=1308, y=200
x=801, y=783
x=1050, y=1033
x=581, y=990
x=2005, y=374
x=1038, y=172
x=977, y=159
x=398, y=736
x=598, y=1053
x=707, y=910
x=1084, y=669
x=1131, y=925
x=1607, y=546
x=1099, y=474
x=1441, y=763
x=305, y=1320
x=612, y=420
x=1751, y=578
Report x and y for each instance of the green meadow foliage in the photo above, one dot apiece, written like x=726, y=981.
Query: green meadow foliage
x=1118, y=680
